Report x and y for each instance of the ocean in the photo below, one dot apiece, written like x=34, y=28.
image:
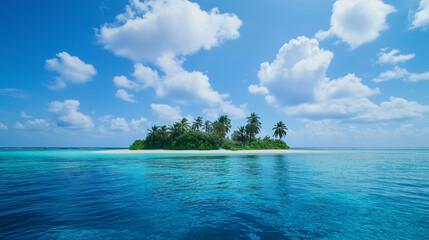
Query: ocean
x=328, y=194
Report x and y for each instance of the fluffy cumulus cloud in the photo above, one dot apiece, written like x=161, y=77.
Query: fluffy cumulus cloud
x=148, y=30
x=162, y=33
x=357, y=21
x=68, y=115
x=3, y=126
x=166, y=114
x=401, y=73
x=392, y=57
x=70, y=70
x=177, y=84
x=124, y=95
x=299, y=66
x=296, y=83
x=420, y=18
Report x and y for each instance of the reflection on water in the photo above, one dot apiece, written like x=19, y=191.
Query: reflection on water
x=82, y=195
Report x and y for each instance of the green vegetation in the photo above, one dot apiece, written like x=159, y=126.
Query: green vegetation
x=185, y=136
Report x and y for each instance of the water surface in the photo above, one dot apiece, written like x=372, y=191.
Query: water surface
x=335, y=194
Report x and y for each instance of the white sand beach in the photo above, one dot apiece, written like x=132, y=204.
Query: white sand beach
x=221, y=151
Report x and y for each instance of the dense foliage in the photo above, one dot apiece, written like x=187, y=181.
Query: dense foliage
x=184, y=136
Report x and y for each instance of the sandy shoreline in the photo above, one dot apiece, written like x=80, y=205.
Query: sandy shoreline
x=222, y=151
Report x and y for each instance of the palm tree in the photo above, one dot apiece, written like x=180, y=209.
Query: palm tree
x=153, y=130
x=176, y=130
x=222, y=125
x=163, y=132
x=253, y=126
x=184, y=124
x=197, y=124
x=208, y=127
x=239, y=135
x=280, y=130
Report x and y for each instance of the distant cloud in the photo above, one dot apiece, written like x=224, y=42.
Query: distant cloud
x=166, y=114
x=70, y=69
x=401, y=73
x=24, y=115
x=68, y=115
x=357, y=21
x=151, y=29
x=124, y=95
x=3, y=127
x=12, y=92
x=114, y=124
x=228, y=108
x=296, y=83
x=34, y=125
x=119, y=124
x=392, y=57
x=420, y=18
x=135, y=124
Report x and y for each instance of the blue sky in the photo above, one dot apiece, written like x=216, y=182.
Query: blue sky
x=346, y=73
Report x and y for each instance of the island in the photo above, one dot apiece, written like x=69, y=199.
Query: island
x=207, y=135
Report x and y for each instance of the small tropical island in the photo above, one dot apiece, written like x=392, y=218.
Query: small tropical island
x=206, y=135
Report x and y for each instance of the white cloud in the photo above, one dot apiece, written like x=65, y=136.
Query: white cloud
x=357, y=21
x=68, y=115
x=2, y=126
x=392, y=58
x=178, y=84
x=151, y=29
x=228, y=108
x=124, y=82
x=420, y=18
x=35, y=124
x=136, y=123
x=401, y=73
x=111, y=124
x=255, y=89
x=393, y=110
x=12, y=92
x=24, y=115
x=296, y=84
x=124, y=95
x=70, y=69
x=166, y=114
x=162, y=33
x=333, y=133
x=299, y=67
x=415, y=77
x=119, y=124
x=396, y=73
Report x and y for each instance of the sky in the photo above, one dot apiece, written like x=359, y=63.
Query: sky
x=345, y=73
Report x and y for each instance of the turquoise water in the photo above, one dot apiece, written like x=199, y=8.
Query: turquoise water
x=340, y=194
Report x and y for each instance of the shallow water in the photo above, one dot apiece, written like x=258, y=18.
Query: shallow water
x=338, y=194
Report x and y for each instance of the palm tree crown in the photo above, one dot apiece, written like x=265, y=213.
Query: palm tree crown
x=253, y=126
x=208, y=127
x=198, y=123
x=280, y=130
x=222, y=125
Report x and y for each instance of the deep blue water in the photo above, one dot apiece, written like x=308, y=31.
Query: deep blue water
x=340, y=194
